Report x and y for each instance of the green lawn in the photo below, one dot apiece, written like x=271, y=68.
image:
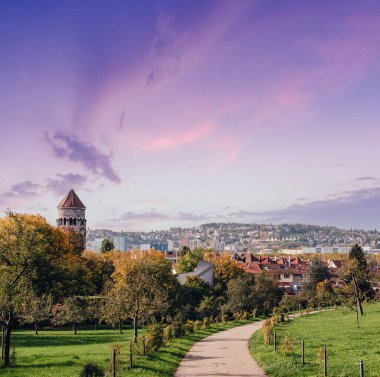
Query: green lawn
x=58, y=353
x=346, y=344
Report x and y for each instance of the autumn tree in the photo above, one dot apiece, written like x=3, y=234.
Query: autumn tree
x=148, y=285
x=225, y=269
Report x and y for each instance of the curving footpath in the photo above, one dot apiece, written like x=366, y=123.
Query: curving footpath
x=222, y=354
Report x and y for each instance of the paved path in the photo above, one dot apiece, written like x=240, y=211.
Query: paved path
x=222, y=354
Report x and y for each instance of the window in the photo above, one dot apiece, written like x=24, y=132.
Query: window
x=286, y=276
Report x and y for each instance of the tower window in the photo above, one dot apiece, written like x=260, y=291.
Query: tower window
x=75, y=221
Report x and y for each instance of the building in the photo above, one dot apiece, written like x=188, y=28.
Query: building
x=204, y=271
x=72, y=214
x=120, y=243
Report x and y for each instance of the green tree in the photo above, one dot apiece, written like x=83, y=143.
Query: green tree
x=188, y=260
x=240, y=294
x=357, y=275
x=73, y=311
x=318, y=273
x=36, y=309
x=107, y=246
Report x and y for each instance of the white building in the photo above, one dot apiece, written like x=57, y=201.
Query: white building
x=121, y=243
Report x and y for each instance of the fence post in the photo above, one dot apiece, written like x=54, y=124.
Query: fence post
x=113, y=363
x=144, y=348
x=303, y=352
x=324, y=361
x=361, y=364
x=275, y=340
x=130, y=356
x=2, y=341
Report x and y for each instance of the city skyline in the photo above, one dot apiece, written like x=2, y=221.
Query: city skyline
x=162, y=114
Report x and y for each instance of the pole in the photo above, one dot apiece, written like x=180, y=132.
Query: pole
x=303, y=352
x=324, y=361
x=130, y=356
x=144, y=348
x=361, y=364
x=2, y=341
x=113, y=363
x=274, y=341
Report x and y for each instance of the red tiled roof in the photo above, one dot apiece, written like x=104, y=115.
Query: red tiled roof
x=71, y=200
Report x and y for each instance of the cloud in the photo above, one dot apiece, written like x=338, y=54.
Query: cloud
x=358, y=208
x=22, y=190
x=373, y=179
x=167, y=49
x=185, y=216
x=144, y=216
x=70, y=147
x=64, y=182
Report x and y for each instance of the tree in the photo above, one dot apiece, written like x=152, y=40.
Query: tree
x=73, y=311
x=324, y=293
x=225, y=269
x=107, y=246
x=188, y=260
x=36, y=309
x=114, y=308
x=240, y=294
x=357, y=275
x=318, y=273
x=34, y=258
x=148, y=285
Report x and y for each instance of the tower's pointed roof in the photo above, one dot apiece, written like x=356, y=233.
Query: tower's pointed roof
x=71, y=200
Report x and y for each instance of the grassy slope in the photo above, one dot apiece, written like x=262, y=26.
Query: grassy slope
x=346, y=344
x=59, y=353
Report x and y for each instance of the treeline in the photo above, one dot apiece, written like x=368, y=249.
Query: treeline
x=45, y=277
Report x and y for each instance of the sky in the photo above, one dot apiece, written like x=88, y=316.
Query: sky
x=177, y=113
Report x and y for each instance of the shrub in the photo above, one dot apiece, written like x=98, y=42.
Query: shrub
x=267, y=331
x=245, y=315
x=274, y=320
x=168, y=333
x=225, y=319
x=91, y=370
x=154, y=338
x=236, y=316
x=287, y=347
x=254, y=313
x=197, y=325
x=177, y=330
x=189, y=326
x=206, y=323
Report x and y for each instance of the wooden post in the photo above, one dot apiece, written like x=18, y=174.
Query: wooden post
x=274, y=341
x=303, y=352
x=130, y=356
x=2, y=341
x=324, y=361
x=361, y=365
x=143, y=344
x=113, y=363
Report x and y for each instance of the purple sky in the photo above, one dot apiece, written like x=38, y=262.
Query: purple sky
x=175, y=113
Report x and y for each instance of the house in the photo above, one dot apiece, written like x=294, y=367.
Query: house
x=204, y=271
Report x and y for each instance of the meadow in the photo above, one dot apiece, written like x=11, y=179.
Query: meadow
x=337, y=330
x=60, y=353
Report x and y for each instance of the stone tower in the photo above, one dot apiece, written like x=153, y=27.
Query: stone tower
x=72, y=214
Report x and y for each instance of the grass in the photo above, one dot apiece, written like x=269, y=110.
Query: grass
x=337, y=330
x=58, y=353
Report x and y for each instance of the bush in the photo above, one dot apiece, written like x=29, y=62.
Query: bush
x=177, y=330
x=236, y=316
x=225, y=319
x=267, y=331
x=254, y=313
x=168, y=333
x=91, y=370
x=189, y=326
x=245, y=315
x=154, y=338
x=274, y=320
x=197, y=325
x=206, y=323
x=287, y=347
